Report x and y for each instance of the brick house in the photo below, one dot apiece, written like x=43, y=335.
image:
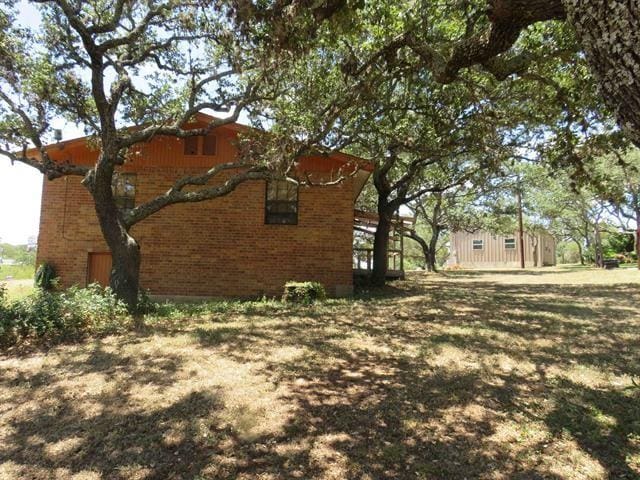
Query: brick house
x=248, y=243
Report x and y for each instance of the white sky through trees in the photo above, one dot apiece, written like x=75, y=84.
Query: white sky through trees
x=20, y=185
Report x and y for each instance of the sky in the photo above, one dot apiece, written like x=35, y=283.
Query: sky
x=20, y=192
x=20, y=185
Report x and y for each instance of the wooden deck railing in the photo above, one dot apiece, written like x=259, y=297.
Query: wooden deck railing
x=363, y=259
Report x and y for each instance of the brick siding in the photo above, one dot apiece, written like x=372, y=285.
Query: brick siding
x=216, y=248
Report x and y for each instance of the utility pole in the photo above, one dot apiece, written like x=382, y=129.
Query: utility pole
x=520, y=225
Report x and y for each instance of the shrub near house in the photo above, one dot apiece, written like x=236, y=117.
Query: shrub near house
x=74, y=312
x=303, y=292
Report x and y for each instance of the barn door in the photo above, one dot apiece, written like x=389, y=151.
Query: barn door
x=99, y=268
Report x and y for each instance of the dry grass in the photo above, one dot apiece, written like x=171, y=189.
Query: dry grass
x=488, y=375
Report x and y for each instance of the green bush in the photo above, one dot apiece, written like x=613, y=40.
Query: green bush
x=145, y=304
x=94, y=308
x=45, y=276
x=622, y=258
x=74, y=312
x=32, y=316
x=303, y=292
x=3, y=301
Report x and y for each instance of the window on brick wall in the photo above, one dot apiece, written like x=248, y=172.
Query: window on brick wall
x=124, y=190
x=281, y=204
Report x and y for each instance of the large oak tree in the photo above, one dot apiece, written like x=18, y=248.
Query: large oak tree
x=108, y=66
x=608, y=32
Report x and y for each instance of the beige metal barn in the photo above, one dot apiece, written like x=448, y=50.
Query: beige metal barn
x=484, y=249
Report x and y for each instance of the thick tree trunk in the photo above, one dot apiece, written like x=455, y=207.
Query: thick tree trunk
x=638, y=235
x=580, y=252
x=598, y=247
x=381, y=243
x=609, y=32
x=380, y=249
x=426, y=252
x=432, y=262
x=433, y=248
x=125, y=251
x=125, y=272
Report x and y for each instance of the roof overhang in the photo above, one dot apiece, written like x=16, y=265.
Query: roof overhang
x=368, y=221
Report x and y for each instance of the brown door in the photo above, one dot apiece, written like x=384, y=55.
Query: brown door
x=99, y=268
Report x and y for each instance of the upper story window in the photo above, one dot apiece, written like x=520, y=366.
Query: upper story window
x=510, y=243
x=478, y=244
x=124, y=190
x=281, y=204
x=195, y=146
x=191, y=145
x=209, y=145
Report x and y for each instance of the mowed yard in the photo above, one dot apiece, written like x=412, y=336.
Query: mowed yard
x=484, y=375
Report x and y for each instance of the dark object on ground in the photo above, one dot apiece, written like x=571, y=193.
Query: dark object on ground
x=610, y=264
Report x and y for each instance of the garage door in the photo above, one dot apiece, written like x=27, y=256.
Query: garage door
x=99, y=269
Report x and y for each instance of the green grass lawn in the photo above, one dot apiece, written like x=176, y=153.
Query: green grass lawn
x=18, y=279
x=17, y=289
x=629, y=265
x=17, y=272
x=477, y=375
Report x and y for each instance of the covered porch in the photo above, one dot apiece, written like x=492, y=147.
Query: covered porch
x=364, y=227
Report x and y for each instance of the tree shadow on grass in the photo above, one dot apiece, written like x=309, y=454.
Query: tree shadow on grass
x=439, y=381
x=605, y=423
x=94, y=425
x=366, y=413
x=162, y=442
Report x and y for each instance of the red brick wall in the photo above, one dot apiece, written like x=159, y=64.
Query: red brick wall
x=217, y=248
